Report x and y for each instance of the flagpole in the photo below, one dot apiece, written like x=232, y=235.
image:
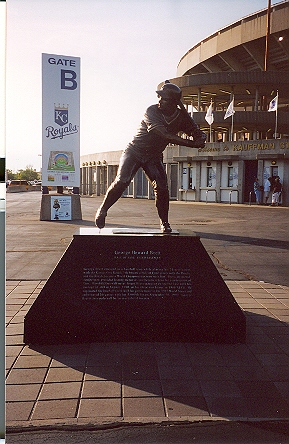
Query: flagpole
x=210, y=118
x=275, y=136
x=211, y=121
x=211, y=124
x=232, y=126
x=229, y=113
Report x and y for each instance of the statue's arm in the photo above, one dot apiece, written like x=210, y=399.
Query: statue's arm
x=173, y=138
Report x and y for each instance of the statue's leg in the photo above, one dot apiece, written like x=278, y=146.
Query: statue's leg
x=128, y=167
x=155, y=171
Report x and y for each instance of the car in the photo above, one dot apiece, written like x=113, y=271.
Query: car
x=18, y=182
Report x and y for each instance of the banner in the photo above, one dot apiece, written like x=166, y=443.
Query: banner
x=230, y=110
x=273, y=104
x=60, y=120
x=209, y=117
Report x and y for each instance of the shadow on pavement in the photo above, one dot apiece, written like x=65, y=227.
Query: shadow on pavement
x=173, y=380
x=245, y=240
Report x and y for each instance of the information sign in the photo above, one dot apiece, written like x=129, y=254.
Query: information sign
x=60, y=207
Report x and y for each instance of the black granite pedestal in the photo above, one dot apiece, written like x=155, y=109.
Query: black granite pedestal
x=134, y=285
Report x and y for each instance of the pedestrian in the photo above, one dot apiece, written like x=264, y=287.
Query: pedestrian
x=267, y=189
x=276, y=192
x=159, y=127
x=257, y=191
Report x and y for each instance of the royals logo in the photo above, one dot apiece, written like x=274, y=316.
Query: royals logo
x=61, y=119
x=61, y=115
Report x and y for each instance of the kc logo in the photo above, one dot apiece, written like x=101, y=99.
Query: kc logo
x=61, y=115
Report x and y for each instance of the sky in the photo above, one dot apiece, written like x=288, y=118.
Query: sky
x=126, y=48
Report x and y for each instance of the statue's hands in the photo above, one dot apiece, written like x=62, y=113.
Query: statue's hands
x=199, y=139
x=199, y=143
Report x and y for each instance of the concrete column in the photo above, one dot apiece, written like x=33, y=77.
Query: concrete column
x=256, y=99
x=218, y=180
x=179, y=182
x=81, y=176
x=109, y=175
x=98, y=180
x=241, y=179
x=84, y=180
x=168, y=173
x=260, y=171
x=134, y=187
x=105, y=179
x=198, y=181
x=199, y=99
x=94, y=180
x=285, y=197
x=89, y=180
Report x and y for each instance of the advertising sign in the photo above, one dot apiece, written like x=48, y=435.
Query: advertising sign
x=60, y=120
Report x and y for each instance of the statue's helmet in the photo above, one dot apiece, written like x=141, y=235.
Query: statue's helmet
x=170, y=91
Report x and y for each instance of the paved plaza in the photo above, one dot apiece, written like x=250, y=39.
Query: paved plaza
x=104, y=384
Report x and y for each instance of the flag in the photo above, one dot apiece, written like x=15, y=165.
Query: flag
x=273, y=104
x=209, y=117
x=230, y=110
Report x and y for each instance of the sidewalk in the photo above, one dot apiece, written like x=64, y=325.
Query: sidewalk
x=97, y=384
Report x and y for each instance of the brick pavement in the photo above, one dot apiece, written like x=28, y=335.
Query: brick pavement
x=107, y=383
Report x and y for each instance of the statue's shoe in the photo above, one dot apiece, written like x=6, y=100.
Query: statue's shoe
x=166, y=228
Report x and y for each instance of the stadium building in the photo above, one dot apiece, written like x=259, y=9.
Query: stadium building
x=235, y=83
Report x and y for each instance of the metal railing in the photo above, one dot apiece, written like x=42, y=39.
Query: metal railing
x=230, y=196
x=250, y=197
x=207, y=195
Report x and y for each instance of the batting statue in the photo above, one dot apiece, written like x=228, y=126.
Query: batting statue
x=159, y=127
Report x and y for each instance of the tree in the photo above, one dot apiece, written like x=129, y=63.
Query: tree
x=28, y=174
x=11, y=175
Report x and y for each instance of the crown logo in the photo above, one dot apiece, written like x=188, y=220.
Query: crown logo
x=60, y=108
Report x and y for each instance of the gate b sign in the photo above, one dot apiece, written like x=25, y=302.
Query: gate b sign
x=60, y=120
x=68, y=76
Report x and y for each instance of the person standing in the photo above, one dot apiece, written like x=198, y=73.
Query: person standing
x=267, y=189
x=257, y=191
x=159, y=127
x=276, y=192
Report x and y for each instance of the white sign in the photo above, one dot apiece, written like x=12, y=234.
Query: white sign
x=60, y=207
x=60, y=120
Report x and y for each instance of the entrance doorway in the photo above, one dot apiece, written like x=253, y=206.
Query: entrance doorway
x=251, y=170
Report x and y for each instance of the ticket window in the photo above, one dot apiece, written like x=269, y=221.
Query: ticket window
x=209, y=176
x=191, y=184
x=230, y=176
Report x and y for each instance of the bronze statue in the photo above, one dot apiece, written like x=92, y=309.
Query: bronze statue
x=159, y=127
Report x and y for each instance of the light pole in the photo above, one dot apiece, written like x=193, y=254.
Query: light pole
x=267, y=36
x=40, y=169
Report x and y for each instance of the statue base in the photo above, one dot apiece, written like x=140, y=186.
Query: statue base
x=134, y=285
